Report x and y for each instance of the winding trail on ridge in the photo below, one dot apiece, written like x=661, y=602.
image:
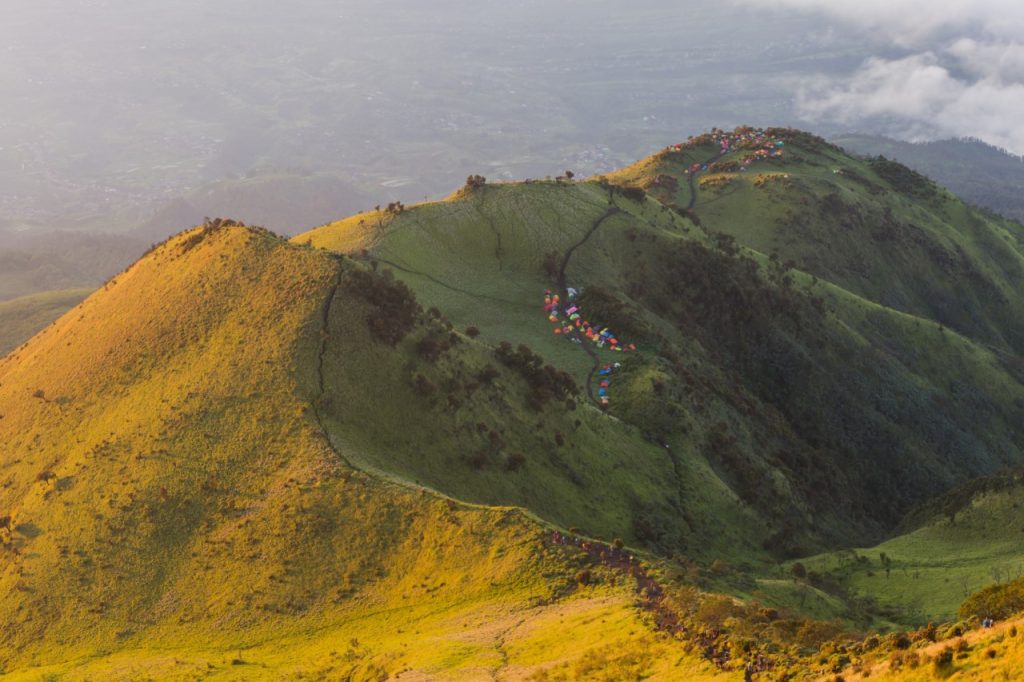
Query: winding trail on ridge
x=563, y=292
x=563, y=288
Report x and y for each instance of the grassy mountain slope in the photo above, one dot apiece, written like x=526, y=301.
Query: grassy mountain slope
x=788, y=391
x=871, y=226
x=973, y=170
x=22, y=317
x=604, y=478
x=194, y=521
x=249, y=457
x=966, y=539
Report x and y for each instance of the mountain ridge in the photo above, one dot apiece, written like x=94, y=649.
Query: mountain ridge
x=363, y=451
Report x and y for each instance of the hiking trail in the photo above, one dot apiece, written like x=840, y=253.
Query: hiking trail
x=563, y=291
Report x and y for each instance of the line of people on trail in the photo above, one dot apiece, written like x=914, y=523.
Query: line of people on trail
x=605, y=383
x=653, y=598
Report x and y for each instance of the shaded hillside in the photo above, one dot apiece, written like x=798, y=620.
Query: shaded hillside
x=873, y=227
x=21, y=318
x=958, y=543
x=977, y=172
x=827, y=415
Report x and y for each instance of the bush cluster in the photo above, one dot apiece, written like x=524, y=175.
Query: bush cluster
x=995, y=601
x=393, y=307
x=545, y=381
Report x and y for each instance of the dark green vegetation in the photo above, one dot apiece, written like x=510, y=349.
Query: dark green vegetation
x=977, y=172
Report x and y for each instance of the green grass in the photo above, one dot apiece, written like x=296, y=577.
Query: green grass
x=936, y=567
x=907, y=244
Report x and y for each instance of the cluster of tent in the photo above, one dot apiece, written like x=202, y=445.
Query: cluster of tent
x=755, y=140
x=770, y=150
x=570, y=322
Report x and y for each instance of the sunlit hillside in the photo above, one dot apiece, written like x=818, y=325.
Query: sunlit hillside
x=541, y=430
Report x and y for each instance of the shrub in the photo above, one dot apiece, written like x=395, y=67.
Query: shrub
x=472, y=332
x=995, y=601
x=943, y=663
x=903, y=179
x=488, y=374
x=515, y=461
x=899, y=659
x=424, y=386
x=636, y=194
x=550, y=264
x=428, y=348
x=545, y=381
x=715, y=610
x=393, y=307
x=478, y=459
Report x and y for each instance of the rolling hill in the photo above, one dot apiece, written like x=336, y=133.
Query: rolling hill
x=381, y=448
x=793, y=391
x=33, y=263
x=21, y=318
x=978, y=172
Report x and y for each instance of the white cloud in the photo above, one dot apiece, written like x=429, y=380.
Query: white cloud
x=962, y=72
x=914, y=23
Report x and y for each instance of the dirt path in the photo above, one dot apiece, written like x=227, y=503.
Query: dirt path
x=651, y=598
x=563, y=292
